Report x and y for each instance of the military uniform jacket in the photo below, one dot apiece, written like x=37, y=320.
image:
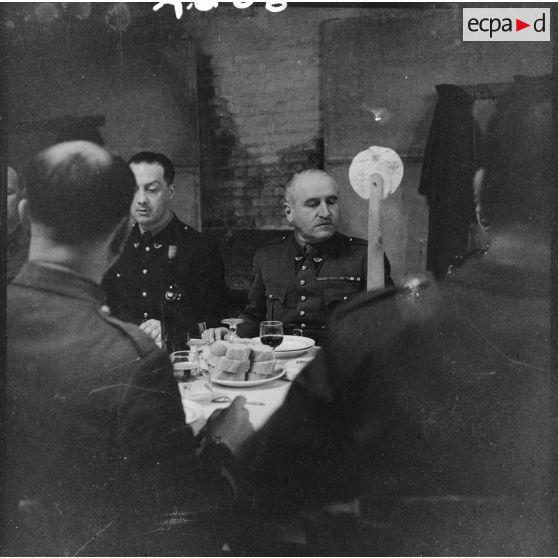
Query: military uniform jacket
x=178, y=255
x=301, y=288
x=94, y=417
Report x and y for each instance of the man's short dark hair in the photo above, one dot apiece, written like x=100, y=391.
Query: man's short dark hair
x=80, y=197
x=159, y=158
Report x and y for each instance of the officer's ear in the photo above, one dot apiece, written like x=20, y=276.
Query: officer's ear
x=171, y=191
x=288, y=211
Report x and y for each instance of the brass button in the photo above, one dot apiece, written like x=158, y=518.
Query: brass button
x=302, y=326
x=105, y=309
x=302, y=282
x=345, y=298
x=302, y=312
x=147, y=248
x=118, y=274
x=303, y=298
x=145, y=315
x=304, y=268
x=144, y=271
x=144, y=294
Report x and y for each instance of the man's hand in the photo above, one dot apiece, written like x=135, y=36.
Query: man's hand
x=152, y=328
x=230, y=426
x=215, y=333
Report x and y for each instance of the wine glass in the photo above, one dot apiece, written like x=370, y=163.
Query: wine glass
x=271, y=333
x=233, y=324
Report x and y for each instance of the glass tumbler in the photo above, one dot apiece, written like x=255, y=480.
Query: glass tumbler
x=194, y=381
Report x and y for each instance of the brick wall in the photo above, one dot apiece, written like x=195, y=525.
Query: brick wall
x=260, y=109
x=261, y=115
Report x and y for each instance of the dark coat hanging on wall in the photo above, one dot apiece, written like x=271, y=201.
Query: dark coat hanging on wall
x=450, y=161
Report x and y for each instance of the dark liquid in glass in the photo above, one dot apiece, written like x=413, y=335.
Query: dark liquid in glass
x=271, y=340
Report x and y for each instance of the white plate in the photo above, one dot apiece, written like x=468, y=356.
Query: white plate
x=192, y=411
x=249, y=383
x=292, y=345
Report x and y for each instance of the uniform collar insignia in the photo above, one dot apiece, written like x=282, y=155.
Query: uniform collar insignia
x=157, y=246
x=298, y=258
x=136, y=244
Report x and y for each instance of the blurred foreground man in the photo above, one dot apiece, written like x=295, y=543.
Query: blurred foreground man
x=302, y=277
x=423, y=425
x=96, y=437
x=162, y=252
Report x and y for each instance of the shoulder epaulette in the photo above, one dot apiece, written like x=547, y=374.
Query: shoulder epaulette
x=278, y=240
x=356, y=241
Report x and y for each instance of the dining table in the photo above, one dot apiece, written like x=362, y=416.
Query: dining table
x=262, y=400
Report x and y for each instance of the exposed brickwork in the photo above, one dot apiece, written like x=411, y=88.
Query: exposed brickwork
x=261, y=117
x=260, y=109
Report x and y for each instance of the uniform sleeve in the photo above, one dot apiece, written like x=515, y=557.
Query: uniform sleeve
x=308, y=452
x=152, y=432
x=161, y=467
x=213, y=295
x=255, y=311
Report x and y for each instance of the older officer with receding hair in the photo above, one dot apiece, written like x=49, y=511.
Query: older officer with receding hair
x=300, y=278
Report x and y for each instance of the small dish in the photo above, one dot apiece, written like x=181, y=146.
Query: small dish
x=292, y=345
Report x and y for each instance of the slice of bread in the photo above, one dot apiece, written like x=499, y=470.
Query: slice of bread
x=233, y=366
x=266, y=368
x=262, y=353
x=219, y=348
x=237, y=351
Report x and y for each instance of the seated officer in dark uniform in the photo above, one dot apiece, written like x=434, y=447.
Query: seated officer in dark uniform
x=95, y=432
x=423, y=425
x=300, y=278
x=161, y=251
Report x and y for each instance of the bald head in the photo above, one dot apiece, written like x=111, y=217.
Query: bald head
x=307, y=178
x=79, y=191
x=311, y=206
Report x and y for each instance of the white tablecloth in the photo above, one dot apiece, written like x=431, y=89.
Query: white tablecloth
x=272, y=394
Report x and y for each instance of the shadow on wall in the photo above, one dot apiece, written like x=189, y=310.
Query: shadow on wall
x=242, y=198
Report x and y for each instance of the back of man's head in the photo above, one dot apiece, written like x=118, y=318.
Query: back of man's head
x=150, y=157
x=79, y=191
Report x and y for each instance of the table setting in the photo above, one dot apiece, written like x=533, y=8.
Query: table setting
x=210, y=374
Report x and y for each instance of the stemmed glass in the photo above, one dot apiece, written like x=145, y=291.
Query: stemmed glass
x=233, y=324
x=271, y=333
